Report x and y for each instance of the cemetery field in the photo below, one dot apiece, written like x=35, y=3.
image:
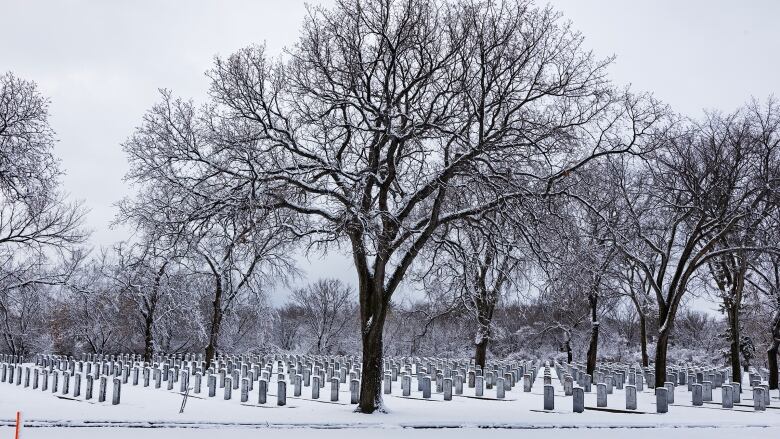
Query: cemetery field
x=155, y=412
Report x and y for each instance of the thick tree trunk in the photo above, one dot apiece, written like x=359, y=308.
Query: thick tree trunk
x=594, y=336
x=216, y=322
x=772, y=360
x=661, y=349
x=569, y=354
x=372, y=371
x=643, y=339
x=480, y=354
x=148, y=339
x=732, y=311
x=773, y=350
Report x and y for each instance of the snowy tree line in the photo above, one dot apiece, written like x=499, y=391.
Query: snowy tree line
x=474, y=153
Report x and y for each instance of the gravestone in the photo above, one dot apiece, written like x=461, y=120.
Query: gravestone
x=669, y=391
x=334, y=389
x=578, y=397
x=228, y=387
x=244, y=389
x=211, y=382
x=630, y=397
x=115, y=396
x=315, y=387
x=601, y=395
x=88, y=390
x=262, y=391
x=102, y=389
x=697, y=397
x=281, y=393
x=549, y=397
x=661, y=400
x=354, y=391
x=727, y=397
x=759, y=403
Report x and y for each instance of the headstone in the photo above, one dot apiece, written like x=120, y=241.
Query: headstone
x=115, y=396
x=77, y=385
x=759, y=403
x=334, y=389
x=102, y=389
x=527, y=383
x=315, y=387
x=88, y=390
x=706, y=390
x=65, y=383
x=244, y=389
x=669, y=391
x=388, y=384
x=549, y=397
x=601, y=395
x=281, y=393
x=630, y=397
x=727, y=398
x=211, y=382
x=661, y=400
x=297, y=384
x=568, y=385
x=228, y=387
x=697, y=394
x=448, y=387
x=426, y=386
x=354, y=391
x=578, y=396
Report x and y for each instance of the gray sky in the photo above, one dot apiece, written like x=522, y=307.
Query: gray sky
x=101, y=63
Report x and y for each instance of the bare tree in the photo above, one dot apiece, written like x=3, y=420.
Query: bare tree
x=221, y=224
x=328, y=309
x=145, y=274
x=37, y=224
x=33, y=211
x=369, y=125
x=474, y=262
x=688, y=197
x=634, y=286
x=764, y=276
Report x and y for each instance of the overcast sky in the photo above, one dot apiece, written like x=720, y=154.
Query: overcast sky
x=101, y=63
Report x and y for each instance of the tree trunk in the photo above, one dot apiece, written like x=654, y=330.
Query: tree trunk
x=660, y=357
x=216, y=322
x=594, y=336
x=772, y=360
x=772, y=351
x=480, y=354
x=732, y=311
x=643, y=339
x=569, y=354
x=148, y=339
x=372, y=371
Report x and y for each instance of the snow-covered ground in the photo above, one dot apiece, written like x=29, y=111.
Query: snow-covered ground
x=158, y=410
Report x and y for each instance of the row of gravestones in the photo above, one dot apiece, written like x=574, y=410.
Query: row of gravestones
x=13, y=359
x=232, y=376
x=700, y=382
x=69, y=384
x=301, y=375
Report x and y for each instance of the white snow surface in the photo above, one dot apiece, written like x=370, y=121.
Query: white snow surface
x=157, y=412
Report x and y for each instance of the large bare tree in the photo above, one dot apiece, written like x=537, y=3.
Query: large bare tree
x=382, y=116
x=684, y=201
